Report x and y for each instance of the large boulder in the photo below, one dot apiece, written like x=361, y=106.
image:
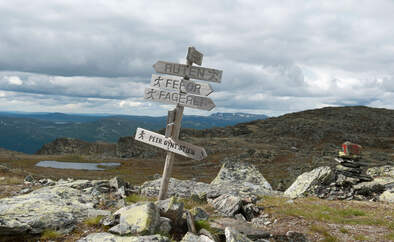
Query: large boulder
x=308, y=181
x=105, y=237
x=138, y=219
x=241, y=172
x=189, y=188
x=58, y=208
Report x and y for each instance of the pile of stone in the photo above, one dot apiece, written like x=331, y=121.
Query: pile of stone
x=350, y=170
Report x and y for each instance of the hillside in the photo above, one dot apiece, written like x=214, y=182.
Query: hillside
x=281, y=147
x=27, y=132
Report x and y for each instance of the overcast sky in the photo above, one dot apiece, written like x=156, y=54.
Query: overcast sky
x=277, y=56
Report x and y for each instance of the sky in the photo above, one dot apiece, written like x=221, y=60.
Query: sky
x=277, y=57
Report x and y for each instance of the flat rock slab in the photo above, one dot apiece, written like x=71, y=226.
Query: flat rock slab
x=57, y=207
x=106, y=237
x=306, y=181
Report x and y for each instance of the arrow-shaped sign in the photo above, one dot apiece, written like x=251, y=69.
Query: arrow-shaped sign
x=176, y=82
x=194, y=72
x=184, y=99
x=175, y=146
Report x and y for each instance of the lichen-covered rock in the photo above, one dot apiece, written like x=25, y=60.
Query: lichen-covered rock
x=171, y=209
x=387, y=171
x=138, y=219
x=234, y=236
x=387, y=196
x=227, y=205
x=306, y=182
x=190, y=237
x=57, y=208
x=106, y=237
x=240, y=172
x=188, y=188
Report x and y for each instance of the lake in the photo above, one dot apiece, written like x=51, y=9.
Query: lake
x=76, y=165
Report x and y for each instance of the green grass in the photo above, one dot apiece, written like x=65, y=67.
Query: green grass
x=390, y=236
x=204, y=224
x=343, y=230
x=360, y=237
x=50, y=234
x=11, y=180
x=339, y=212
x=324, y=232
x=93, y=221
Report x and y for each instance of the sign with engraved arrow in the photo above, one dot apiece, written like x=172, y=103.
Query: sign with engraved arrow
x=175, y=146
x=176, y=82
x=184, y=99
x=194, y=72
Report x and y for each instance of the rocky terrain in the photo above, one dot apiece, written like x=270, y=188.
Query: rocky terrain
x=235, y=206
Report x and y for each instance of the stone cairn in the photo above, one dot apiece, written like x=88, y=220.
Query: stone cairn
x=348, y=173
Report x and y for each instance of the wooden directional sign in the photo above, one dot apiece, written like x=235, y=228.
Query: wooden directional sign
x=175, y=146
x=194, y=56
x=194, y=72
x=176, y=82
x=184, y=99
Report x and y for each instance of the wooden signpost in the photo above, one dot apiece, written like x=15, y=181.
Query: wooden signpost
x=195, y=72
x=176, y=83
x=180, y=90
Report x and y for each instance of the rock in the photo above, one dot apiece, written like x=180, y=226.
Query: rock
x=140, y=218
x=250, y=230
x=250, y=211
x=190, y=237
x=305, y=183
x=57, y=208
x=261, y=221
x=29, y=178
x=165, y=225
x=208, y=234
x=228, y=205
x=188, y=188
x=234, y=236
x=239, y=216
x=106, y=237
x=25, y=190
x=387, y=196
x=117, y=183
x=387, y=171
x=240, y=172
x=199, y=214
x=171, y=209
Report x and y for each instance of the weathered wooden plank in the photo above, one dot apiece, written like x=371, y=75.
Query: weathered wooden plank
x=176, y=83
x=184, y=99
x=175, y=146
x=194, y=72
x=194, y=56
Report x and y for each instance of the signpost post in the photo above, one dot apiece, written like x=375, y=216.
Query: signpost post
x=180, y=90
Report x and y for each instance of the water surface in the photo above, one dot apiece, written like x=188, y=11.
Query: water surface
x=76, y=165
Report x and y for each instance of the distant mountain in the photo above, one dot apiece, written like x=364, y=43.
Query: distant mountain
x=27, y=132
